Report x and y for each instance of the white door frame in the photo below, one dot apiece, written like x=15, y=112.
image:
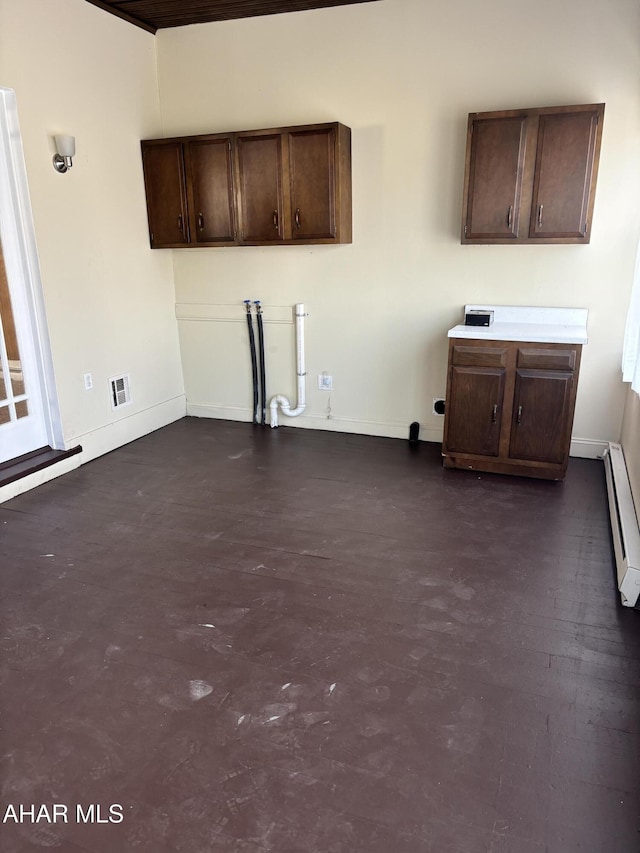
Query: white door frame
x=21, y=260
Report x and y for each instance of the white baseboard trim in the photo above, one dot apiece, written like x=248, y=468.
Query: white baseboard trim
x=100, y=441
x=588, y=448
x=106, y=438
x=223, y=413
x=384, y=429
x=582, y=448
x=110, y=436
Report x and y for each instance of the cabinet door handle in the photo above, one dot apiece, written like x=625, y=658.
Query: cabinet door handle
x=540, y=206
x=297, y=218
x=494, y=413
x=510, y=216
x=519, y=415
x=276, y=220
x=200, y=222
x=180, y=222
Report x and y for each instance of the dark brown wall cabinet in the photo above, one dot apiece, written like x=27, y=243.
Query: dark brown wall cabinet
x=510, y=407
x=261, y=187
x=530, y=175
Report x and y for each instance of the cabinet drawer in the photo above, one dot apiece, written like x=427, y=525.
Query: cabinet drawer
x=474, y=356
x=545, y=358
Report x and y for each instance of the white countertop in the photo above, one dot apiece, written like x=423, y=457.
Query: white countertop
x=528, y=323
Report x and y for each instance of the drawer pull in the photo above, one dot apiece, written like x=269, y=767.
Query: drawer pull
x=200, y=222
x=510, y=216
x=494, y=414
x=297, y=217
x=275, y=219
x=540, y=206
x=519, y=415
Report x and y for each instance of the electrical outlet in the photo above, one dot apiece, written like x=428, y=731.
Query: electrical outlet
x=88, y=382
x=438, y=406
x=325, y=381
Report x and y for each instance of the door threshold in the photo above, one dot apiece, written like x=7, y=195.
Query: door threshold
x=29, y=463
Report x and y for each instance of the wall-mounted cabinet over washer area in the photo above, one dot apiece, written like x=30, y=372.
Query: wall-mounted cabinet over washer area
x=530, y=175
x=279, y=186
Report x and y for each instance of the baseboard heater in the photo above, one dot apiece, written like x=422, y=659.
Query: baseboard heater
x=624, y=525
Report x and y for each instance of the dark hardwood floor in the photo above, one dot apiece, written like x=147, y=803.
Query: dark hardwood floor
x=281, y=640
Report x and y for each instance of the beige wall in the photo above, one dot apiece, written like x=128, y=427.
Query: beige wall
x=404, y=74
x=631, y=443
x=109, y=298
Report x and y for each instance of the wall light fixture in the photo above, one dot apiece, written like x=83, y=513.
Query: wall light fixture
x=65, y=150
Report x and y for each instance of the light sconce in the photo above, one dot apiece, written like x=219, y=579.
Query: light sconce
x=65, y=150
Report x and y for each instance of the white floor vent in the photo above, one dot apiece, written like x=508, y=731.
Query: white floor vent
x=624, y=525
x=120, y=393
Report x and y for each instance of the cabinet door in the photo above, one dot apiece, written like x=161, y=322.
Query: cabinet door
x=563, y=175
x=474, y=410
x=165, y=186
x=211, y=194
x=260, y=180
x=494, y=178
x=542, y=416
x=312, y=170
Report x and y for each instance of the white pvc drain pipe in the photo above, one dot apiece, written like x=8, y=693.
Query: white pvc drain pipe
x=279, y=399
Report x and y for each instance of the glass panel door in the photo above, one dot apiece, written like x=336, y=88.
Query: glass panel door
x=22, y=426
x=13, y=400
x=24, y=408
x=29, y=417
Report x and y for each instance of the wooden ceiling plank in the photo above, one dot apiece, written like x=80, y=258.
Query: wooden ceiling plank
x=163, y=14
x=187, y=10
x=250, y=8
x=110, y=7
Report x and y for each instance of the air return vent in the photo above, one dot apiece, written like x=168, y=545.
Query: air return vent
x=120, y=394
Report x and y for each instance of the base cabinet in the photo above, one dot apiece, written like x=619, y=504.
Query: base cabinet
x=509, y=406
x=541, y=407
x=475, y=399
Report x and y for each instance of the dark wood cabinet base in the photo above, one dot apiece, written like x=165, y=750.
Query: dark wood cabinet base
x=493, y=466
x=510, y=406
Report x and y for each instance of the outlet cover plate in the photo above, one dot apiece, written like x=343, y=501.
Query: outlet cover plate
x=325, y=382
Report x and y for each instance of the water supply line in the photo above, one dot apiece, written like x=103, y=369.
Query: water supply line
x=279, y=399
x=254, y=362
x=263, y=378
